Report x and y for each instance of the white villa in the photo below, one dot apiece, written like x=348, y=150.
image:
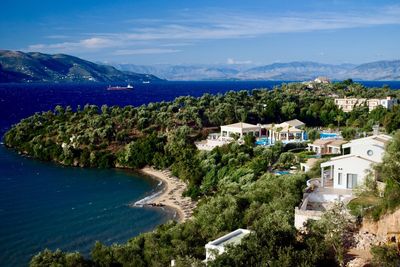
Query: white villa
x=241, y=129
x=350, y=170
x=347, y=104
x=340, y=175
x=218, y=246
x=322, y=79
x=288, y=131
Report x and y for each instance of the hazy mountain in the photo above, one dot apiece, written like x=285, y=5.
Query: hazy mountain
x=296, y=71
x=185, y=72
x=17, y=66
x=379, y=70
x=292, y=71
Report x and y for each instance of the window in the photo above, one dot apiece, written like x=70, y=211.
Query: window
x=339, y=181
x=370, y=152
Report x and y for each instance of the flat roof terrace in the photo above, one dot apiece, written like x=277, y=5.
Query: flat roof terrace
x=232, y=238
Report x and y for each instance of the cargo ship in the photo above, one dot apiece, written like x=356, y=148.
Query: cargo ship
x=116, y=88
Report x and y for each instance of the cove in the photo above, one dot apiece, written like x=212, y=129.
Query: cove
x=44, y=205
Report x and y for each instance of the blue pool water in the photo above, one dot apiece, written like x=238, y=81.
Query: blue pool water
x=262, y=142
x=328, y=135
x=281, y=172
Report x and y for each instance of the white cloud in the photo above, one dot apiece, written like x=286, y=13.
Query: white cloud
x=88, y=43
x=96, y=42
x=231, y=61
x=57, y=36
x=215, y=25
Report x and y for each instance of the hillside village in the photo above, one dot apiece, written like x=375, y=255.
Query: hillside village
x=346, y=167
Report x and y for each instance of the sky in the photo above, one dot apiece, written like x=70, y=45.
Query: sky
x=204, y=31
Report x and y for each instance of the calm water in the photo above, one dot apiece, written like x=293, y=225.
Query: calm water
x=46, y=205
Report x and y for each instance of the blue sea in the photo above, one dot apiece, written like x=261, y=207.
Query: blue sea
x=44, y=205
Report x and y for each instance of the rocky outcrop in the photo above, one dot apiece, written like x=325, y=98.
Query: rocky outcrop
x=383, y=229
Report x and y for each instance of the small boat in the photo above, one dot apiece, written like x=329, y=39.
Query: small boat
x=116, y=88
x=146, y=82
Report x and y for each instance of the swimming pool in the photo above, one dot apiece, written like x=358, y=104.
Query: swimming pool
x=281, y=172
x=262, y=142
x=328, y=135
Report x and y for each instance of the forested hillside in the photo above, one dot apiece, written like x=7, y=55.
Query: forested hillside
x=16, y=66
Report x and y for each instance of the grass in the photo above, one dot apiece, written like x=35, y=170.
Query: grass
x=363, y=204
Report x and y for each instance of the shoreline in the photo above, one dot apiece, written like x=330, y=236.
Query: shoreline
x=170, y=195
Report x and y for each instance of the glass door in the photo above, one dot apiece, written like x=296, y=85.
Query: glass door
x=351, y=180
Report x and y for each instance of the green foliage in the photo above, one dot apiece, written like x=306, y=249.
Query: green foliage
x=335, y=227
x=389, y=170
x=349, y=133
x=141, y=152
x=249, y=140
x=313, y=134
x=315, y=171
x=361, y=205
x=391, y=120
x=385, y=256
x=286, y=160
x=58, y=258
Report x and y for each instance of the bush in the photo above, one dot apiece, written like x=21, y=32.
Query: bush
x=349, y=133
x=47, y=258
x=385, y=256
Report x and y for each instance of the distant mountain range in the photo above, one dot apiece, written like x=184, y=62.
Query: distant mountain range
x=292, y=71
x=17, y=66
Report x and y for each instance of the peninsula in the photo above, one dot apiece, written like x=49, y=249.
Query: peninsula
x=19, y=67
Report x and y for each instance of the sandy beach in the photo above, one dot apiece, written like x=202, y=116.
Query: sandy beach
x=171, y=196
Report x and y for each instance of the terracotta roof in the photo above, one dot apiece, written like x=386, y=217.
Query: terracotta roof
x=322, y=142
x=337, y=143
